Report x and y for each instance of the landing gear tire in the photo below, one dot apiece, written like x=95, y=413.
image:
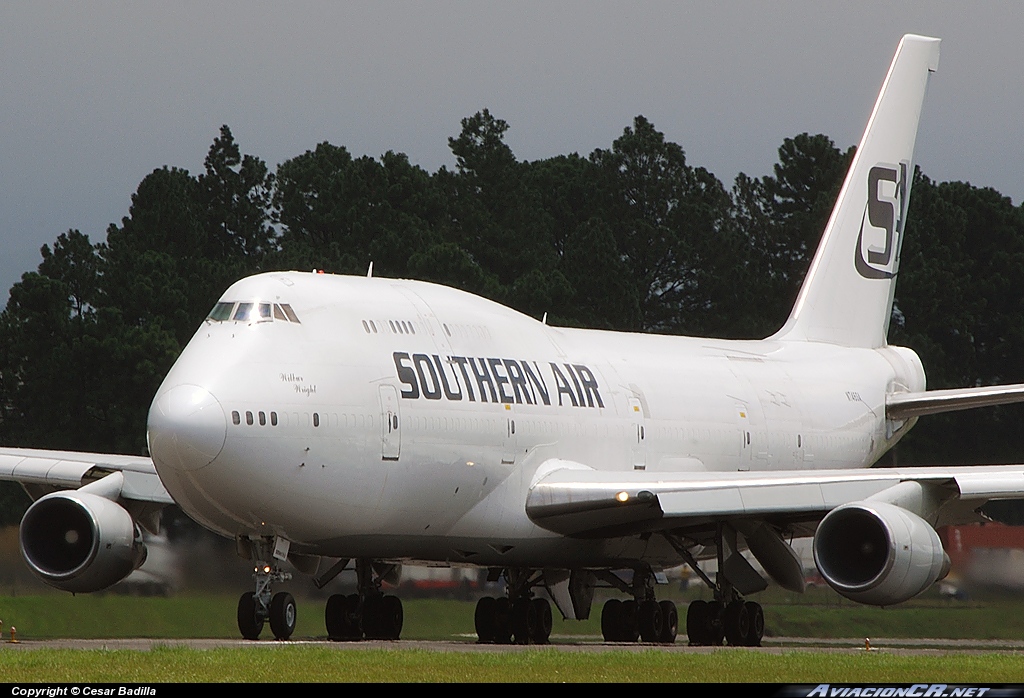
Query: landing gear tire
x=715, y=627
x=371, y=620
x=704, y=623
x=283, y=614
x=524, y=621
x=484, y=619
x=649, y=620
x=502, y=621
x=737, y=623
x=542, y=633
x=610, y=620
x=697, y=623
x=248, y=623
x=628, y=628
x=670, y=622
x=392, y=617
x=335, y=618
x=756, y=627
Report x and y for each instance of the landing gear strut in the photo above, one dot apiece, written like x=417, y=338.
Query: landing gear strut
x=255, y=608
x=367, y=614
x=520, y=616
x=727, y=617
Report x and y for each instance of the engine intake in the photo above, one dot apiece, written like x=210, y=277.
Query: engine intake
x=80, y=542
x=878, y=553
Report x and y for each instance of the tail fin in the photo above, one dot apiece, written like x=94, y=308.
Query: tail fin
x=847, y=295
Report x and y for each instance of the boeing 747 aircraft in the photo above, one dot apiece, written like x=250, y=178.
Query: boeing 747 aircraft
x=329, y=421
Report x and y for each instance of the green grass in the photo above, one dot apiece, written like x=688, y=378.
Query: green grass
x=817, y=614
x=272, y=663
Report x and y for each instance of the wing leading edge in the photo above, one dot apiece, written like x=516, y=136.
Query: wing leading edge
x=578, y=501
x=46, y=471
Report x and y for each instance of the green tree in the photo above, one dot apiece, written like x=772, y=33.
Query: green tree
x=782, y=218
x=959, y=305
x=667, y=218
x=234, y=195
x=340, y=213
x=495, y=216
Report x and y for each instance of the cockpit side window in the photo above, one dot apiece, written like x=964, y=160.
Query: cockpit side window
x=292, y=317
x=221, y=311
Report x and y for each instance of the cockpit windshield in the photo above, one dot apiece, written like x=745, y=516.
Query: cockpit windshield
x=252, y=311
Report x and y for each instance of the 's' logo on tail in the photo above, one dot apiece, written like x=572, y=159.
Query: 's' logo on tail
x=887, y=213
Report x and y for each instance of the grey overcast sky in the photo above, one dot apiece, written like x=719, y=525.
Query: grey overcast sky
x=96, y=95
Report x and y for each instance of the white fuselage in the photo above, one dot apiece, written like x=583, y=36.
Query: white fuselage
x=405, y=420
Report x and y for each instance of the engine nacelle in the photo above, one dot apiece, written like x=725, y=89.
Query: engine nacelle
x=80, y=542
x=878, y=553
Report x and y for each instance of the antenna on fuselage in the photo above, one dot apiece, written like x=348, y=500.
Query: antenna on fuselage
x=369, y=272
x=544, y=320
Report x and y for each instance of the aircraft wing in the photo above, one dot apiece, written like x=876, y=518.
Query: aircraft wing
x=572, y=499
x=46, y=471
x=906, y=405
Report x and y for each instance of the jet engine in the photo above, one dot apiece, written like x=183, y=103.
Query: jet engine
x=878, y=553
x=80, y=542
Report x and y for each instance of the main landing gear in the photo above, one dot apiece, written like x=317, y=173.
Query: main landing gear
x=740, y=623
x=726, y=618
x=519, y=617
x=368, y=614
x=640, y=618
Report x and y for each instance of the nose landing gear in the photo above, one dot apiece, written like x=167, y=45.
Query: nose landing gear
x=255, y=608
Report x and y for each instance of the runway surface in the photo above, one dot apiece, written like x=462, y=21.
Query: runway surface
x=775, y=645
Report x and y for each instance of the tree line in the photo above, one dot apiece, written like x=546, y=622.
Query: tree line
x=632, y=237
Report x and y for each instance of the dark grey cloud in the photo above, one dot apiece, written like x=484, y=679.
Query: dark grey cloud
x=96, y=95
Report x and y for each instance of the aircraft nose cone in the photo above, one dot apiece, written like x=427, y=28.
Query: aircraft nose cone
x=187, y=428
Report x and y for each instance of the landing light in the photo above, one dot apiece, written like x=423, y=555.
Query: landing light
x=622, y=496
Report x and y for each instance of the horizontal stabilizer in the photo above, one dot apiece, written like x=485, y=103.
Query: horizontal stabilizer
x=907, y=405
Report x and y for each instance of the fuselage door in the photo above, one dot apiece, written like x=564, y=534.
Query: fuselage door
x=508, y=450
x=391, y=434
x=636, y=417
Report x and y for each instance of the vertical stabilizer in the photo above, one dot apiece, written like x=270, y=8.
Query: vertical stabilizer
x=847, y=295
